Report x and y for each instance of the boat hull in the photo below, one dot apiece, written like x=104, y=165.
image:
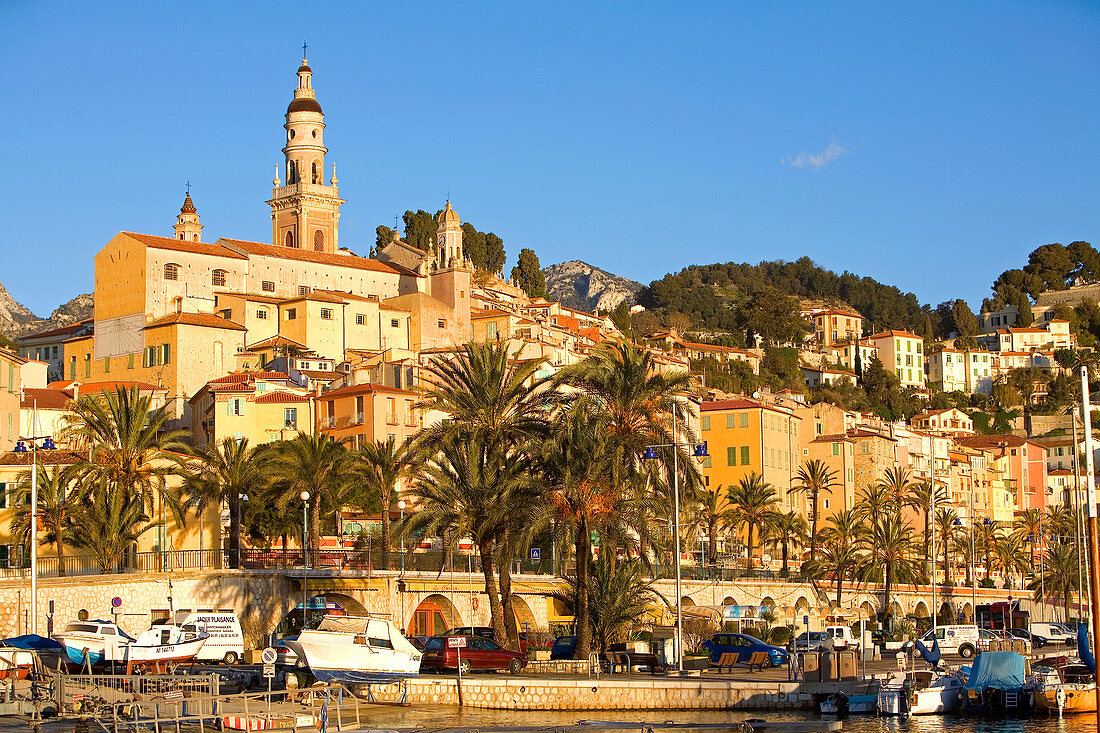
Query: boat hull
x=856, y=704
x=1074, y=699
x=334, y=657
x=934, y=701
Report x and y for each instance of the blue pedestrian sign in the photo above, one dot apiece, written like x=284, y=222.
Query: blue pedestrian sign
x=536, y=554
x=732, y=612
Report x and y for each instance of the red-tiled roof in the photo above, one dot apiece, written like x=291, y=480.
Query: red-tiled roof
x=62, y=384
x=305, y=255
x=275, y=398
x=97, y=387
x=318, y=295
x=59, y=331
x=729, y=405
x=257, y=297
x=181, y=245
x=363, y=389
x=45, y=399
x=242, y=377
x=276, y=340
x=490, y=313
x=893, y=333
x=206, y=320
x=992, y=441
x=318, y=374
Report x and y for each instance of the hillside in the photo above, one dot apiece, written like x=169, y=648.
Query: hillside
x=710, y=294
x=17, y=320
x=587, y=287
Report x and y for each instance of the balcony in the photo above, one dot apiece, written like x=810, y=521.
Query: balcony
x=411, y=421
x=328, y=422
x=391, y=418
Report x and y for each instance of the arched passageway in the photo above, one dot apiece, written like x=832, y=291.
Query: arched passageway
x=434, y=616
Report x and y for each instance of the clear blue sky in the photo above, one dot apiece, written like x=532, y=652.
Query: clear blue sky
x=930, y=146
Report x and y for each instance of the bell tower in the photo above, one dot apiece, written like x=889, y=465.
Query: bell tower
x=187, y=226
x=448, y=238
x=305, y=212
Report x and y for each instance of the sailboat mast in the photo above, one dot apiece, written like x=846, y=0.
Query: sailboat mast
x=1094, y=541
x=932, y=523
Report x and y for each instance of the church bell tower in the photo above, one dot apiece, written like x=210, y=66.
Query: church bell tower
x=305, y=212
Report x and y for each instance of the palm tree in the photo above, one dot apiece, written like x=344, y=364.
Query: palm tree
x=313, y=463
x=874, y=502
x=814, y=478
x=899, y=486
x=890, y=552
x=127, y=444
x=107, y=523
x=712, y=515
x=223, y=474
x=471, y=489
x=986, y=536
x=1010, y=556
x=922, y=499
x=753, y=503
x=945, y=527
x=619, y=597
x=840, y=549
x=1062, y=522
x=788, y=530
x=966, y=547
x=54, y=508
x=1059, y=576
x=379, y=468
x=1028, y=524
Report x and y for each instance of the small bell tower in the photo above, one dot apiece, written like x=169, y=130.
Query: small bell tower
x=187, y=226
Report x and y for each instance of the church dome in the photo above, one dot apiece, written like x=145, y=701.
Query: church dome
x=448, y=214
x=304, y=104
x=188, y=205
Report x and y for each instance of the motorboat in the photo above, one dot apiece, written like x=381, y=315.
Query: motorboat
x=356, y=650
x=1068, y=687
x=840, y=703
x=998, y=684
x=93, y=642
x=893, y=695
x=162, y=647
x=18, y=653
x=933, y=692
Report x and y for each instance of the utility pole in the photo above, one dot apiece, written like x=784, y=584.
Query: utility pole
x=1090, y=493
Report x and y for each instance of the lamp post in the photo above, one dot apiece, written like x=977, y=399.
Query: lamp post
x=304, y=496
x=240, y=504
x=699, y=451
x=47, y=444
x=401, y=508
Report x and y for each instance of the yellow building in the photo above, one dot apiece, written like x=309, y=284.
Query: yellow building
x=902, y=353
x=258, y=406
x=745, y=436
x=835, y=326
x=10, y=364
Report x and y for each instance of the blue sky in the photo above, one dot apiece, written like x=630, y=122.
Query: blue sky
x=930, y=146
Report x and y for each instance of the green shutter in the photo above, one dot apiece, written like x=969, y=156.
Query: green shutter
x=731, y=456
x=704, y=422
x=744, y=455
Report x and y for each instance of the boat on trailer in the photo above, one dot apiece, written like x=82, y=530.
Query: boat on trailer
x=357, y=650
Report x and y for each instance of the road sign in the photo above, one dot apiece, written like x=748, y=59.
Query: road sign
x=732, y=612
x=805, y=620
x=173, y=695
x=116, y=602
x=536, y=554
x=268, y=656
x=456, y=642
x=269, y=671
x=901, y=660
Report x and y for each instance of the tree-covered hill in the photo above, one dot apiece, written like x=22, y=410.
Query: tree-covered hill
x=710, y=295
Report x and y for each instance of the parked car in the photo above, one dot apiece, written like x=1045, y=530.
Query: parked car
x=961, y=639
x=486, y=632
x=744, y=646
x=478, y=654
x=284, y=655
x=986, y=638
x=563, y=647
x=812, y=641
x=842, y=637
x=1037, y=642
x=1054, y=633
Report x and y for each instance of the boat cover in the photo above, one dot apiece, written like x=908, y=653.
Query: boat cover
x=1083, y=650
x=997, y=670
x=933, y=655
x=33, y=642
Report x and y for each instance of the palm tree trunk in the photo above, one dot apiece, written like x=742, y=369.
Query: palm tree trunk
x=888, y=608
x=786, y=541
x=504, y=570
x=234, y=530
x=315, y=530
x=839, y=581
x=813, y=532
x=928, y=546
x=582, y=624
x=946, y=567
x=286, y=551
x=750, y=545
x=385, y=534
x=496, y=610
x=712, y=546
x=60, y=554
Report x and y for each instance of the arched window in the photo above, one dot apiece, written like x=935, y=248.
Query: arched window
x=291, y=172
x=317, y=171
x=217, y=278
x=289, y=239
x=319, y=241
x=171, y=271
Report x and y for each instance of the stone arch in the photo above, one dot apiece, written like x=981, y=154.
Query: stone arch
x=801, y=605
x=866, y=610
x=433, y=615
x=288, y=240
x=316, y=172
x=728, y=601
x=967, y=612
x=525, y=617
x=350, y=605
x=946, y=613
x=896, y=610
x=768, y=601
x=686, y=601
x=921, y=610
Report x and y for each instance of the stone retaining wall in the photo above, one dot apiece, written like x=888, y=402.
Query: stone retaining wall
x=517, y=693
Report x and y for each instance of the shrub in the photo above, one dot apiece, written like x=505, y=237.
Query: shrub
x=780, y=635
x=987, y=583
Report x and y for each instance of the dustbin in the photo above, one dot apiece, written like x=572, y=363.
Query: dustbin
x=811, y=666
x=849, y=666
x=828, y=666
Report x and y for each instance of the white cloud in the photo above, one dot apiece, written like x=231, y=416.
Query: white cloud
x=816, y=160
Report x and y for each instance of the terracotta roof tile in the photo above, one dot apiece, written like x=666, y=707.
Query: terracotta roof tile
x=278, y=398
x=305, y=255
x=206, y=320
x=97, y=387
x=363, y=389
x=181, y=245
x=64, y=330
x=43, y=457
x=243, y=377
x=45, y=399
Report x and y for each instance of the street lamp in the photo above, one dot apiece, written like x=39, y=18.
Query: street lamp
x=304, y=496
x=240, y=504
x=20, y=447
x=401, y=508
x=699, y=450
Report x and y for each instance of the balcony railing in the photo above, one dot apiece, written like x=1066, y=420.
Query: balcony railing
x=391, y=419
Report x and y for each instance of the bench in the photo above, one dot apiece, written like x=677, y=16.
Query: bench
x=626, y=660
x=729, y=659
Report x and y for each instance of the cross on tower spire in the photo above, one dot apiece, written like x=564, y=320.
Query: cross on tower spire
x=304, y=47
x=189, y=188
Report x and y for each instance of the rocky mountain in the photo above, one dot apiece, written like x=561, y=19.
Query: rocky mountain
x=587, y=287
x=17, y=320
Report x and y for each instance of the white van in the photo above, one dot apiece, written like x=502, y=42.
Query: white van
x=1054, y=633
x=226, y=642
x=961, y=639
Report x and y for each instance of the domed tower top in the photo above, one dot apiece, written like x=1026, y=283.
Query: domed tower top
x=448, y=237
x=187, y=226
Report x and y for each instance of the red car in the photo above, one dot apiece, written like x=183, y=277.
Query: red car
x=478, y=654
